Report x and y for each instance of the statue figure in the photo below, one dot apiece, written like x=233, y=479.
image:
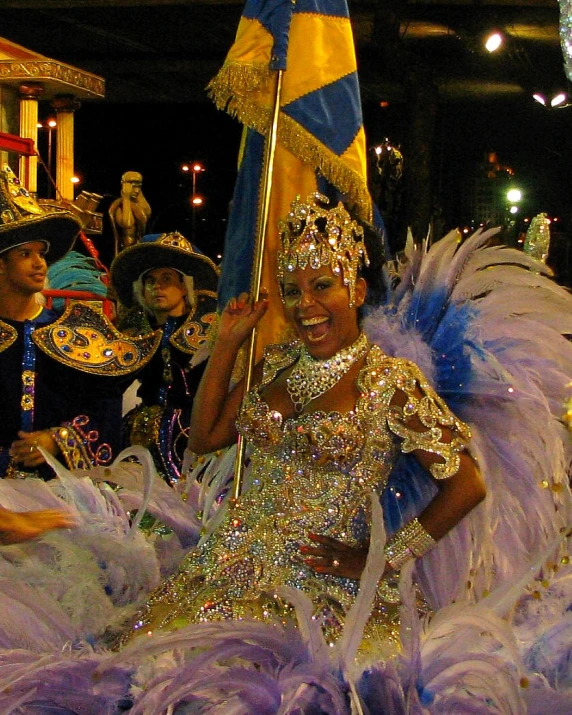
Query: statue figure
x=129, y=213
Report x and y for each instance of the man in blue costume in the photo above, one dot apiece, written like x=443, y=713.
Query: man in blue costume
x=165, y=284
x=47, y=402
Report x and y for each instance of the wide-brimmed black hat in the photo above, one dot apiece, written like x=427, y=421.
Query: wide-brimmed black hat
x=165, y=250
x=23, y=220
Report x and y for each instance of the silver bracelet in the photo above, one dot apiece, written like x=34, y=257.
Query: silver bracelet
x=409, y=542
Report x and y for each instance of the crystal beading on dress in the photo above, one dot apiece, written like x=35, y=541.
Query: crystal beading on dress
x=311, y=377
x=336, y=241
x=335, y=460
x=305, y=520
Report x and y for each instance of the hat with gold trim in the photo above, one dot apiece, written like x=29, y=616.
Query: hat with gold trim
x=23, y=220
x=166, y=250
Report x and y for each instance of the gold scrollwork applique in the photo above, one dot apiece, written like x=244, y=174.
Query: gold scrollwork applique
x=28, y=380
x=193, y=333
x=84, y=339
x=8, y=335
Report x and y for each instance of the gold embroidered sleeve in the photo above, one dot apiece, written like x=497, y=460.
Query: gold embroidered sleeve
x=433, y=414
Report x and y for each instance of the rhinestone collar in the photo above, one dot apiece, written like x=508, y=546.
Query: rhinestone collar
x=311, y=377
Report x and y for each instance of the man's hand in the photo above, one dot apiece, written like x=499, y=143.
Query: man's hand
x=25, y=450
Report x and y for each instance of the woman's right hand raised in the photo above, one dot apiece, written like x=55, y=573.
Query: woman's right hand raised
x=240, y=316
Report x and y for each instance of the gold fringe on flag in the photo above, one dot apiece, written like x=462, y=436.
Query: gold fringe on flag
x=241, y=91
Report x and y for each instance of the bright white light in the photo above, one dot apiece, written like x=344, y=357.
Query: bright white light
x=513, y=209
x=540, y=99
x=197, y=200
x=558, y=99
x=185, y=167
x=514, y=195
x=493, y=42
x=198, y=167
x=52, y=123
x=75, y=179
x=378, y=150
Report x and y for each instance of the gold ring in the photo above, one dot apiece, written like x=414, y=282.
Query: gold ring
x=335, y=563
x=31, y=449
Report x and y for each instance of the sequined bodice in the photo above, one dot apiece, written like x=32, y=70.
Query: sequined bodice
x=318, y=452
x=311, y=473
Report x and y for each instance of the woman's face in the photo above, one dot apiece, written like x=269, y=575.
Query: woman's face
x=317, y=304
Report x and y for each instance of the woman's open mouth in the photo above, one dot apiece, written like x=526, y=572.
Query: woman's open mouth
x=315, y=329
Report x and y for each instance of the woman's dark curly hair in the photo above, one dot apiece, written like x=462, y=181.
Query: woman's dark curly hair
x=373, y=274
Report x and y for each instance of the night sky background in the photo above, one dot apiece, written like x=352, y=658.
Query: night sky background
x=157, y=57
x=156, y=139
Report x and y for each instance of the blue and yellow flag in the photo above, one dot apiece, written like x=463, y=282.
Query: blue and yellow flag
x=320, y=136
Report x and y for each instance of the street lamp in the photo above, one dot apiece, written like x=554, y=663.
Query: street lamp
x=196, y=201
x=559, y=100
x=52, y=124
x=196, y=168
x=76, y=181
x=493, y=42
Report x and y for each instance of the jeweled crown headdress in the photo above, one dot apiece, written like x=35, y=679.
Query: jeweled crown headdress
x=336, y=242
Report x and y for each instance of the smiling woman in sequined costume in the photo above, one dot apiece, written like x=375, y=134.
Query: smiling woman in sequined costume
x=327, y=417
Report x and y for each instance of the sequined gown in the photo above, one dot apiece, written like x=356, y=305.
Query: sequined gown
x=311, y=473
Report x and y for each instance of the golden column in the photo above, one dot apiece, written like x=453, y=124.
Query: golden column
x=30, y=93
x=65, y=106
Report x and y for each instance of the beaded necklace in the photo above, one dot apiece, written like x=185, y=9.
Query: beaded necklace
x=311, y=377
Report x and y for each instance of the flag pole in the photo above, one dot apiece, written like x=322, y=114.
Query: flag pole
x=266, y=190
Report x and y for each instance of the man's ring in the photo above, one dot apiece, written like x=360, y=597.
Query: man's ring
x=32, y=449
x=335, y=563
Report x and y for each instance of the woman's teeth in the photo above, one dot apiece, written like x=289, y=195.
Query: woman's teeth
x=316, y=329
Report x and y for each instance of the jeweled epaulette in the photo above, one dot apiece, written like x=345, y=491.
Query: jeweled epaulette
x=278, y=357
x=8, y=335
x=85, y=339
x=194, y=332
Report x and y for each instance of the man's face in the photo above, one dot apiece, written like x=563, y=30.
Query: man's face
x=23, y=268
x=164, y=292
